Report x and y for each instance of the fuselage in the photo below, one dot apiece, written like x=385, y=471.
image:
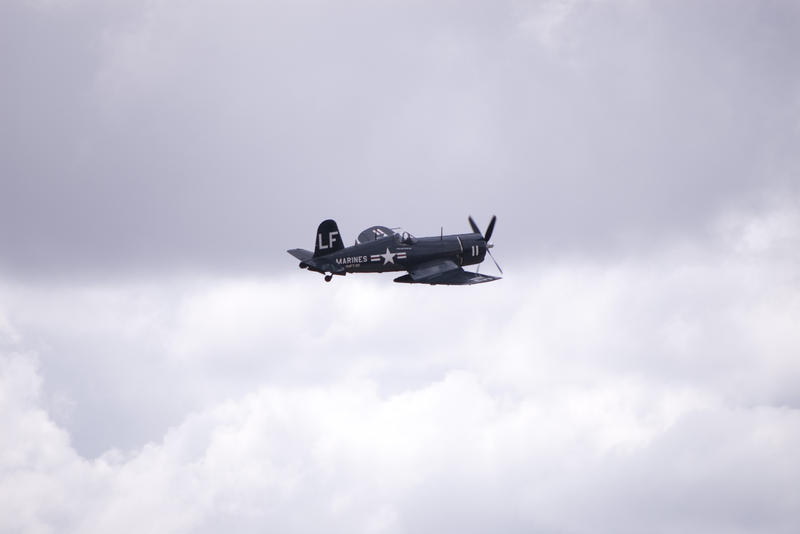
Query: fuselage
x=396, y=253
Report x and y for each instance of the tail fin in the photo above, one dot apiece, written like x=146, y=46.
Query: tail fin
x=328, y=238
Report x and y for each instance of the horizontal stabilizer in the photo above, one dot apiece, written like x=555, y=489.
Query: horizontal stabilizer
x=301, y=253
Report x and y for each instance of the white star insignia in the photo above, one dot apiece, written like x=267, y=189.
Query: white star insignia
x=388, y=257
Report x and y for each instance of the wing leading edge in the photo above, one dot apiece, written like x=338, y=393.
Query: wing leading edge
x=443, y=272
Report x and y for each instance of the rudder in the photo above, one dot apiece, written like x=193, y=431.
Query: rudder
x=328, y=238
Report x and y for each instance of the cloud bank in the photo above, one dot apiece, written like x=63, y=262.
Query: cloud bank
x=657, y=391
x=165, y=367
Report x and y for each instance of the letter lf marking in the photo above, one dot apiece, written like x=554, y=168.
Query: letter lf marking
x=331, y=239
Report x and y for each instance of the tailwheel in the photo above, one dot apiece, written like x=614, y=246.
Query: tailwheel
x=328, y=277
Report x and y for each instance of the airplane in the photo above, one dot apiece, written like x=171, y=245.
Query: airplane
x=378, y=249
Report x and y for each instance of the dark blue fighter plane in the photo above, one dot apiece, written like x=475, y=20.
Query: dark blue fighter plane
x=378, y=249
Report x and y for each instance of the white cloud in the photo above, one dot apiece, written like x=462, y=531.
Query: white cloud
x=452, y=454
x=653, y=392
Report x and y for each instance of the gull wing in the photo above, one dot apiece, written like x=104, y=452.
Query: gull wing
x=443, y=272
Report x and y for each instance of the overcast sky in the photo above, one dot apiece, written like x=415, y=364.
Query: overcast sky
x=165, y=367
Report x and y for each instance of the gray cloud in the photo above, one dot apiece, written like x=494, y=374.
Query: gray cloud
x=215, y=135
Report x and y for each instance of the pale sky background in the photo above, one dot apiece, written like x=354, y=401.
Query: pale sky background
x=165, y=367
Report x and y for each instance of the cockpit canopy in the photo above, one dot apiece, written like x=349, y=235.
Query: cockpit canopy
x=375, y=233
x=403, y=237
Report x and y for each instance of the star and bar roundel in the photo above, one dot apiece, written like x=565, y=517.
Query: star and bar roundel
x=388, y=257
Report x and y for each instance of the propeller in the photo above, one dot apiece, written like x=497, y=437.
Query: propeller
x=490, y=228
x=486, y=237
x=473, y=225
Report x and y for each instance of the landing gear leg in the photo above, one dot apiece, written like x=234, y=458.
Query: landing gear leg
x=328, y=277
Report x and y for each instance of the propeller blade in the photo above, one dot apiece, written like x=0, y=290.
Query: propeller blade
x=473, y=225
x=490, y=228
x=494, y=260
